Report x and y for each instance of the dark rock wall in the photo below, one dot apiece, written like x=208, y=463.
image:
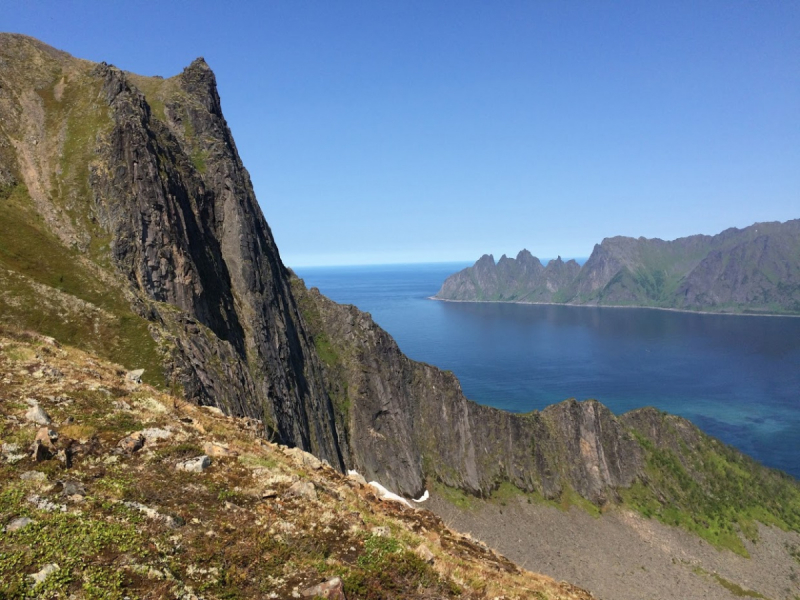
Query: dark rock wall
x=192, y=236
x=409, y=422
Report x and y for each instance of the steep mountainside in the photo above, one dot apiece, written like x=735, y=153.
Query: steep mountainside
x=137, y=183
x=409, y=423
x=755, y=269
x=130, y=230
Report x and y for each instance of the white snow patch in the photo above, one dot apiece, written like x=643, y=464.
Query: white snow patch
x=422, y=498
x=385, y=494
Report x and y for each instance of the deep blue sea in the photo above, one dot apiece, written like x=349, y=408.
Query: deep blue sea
x=736, y=377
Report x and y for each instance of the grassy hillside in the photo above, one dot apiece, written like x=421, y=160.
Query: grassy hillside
x=113, y=521
x=59, y=292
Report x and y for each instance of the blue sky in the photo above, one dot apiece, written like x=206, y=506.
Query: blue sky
x=385, y=131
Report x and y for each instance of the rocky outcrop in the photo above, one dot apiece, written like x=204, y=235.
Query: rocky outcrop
x=153, y=178
x=755, y=269
x=408, y=422
x=274, y=512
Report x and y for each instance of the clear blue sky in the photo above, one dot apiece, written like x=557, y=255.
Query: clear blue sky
x=393, y=131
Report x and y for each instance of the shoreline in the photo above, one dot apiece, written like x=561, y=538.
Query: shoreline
x=677, y=310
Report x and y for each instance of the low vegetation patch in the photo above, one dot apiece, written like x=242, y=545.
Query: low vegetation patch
x=716, y=492
x=733, y=588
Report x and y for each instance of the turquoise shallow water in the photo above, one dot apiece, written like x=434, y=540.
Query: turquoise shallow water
x=736, y=377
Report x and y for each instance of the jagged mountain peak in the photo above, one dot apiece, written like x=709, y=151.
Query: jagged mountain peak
x=755, y=269
x=140, y=177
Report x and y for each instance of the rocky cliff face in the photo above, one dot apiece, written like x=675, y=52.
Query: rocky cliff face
x=141, y=177
x=409, y=425
x=755, y=269
x=408, y=422
x=761, y=272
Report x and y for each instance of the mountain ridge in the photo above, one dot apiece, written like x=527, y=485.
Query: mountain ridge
x=752, y=270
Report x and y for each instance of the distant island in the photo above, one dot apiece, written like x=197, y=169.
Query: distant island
x=752, y=270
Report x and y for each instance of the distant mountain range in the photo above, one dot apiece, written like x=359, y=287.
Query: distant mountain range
x=750, y=270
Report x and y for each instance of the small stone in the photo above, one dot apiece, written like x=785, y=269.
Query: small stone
x=11, y=453
x=331, y=589
x=304, y=458
x=49, y=341
x=53, y=373
x=18, y=523
x=65, y=456
x=424, y=553
x=218, y=450
x=356, y=476
x=135, y=376
x=381, y=531
x=36, y=476
x=273, y=479
x=194, y=465
x=45, y=505
x=40, y=452
x=302, y=489
x=154, y=434
x=38, y=415
x=43, y=447
x=152, y=513
x=131, y=443
x=266, y=494
x=152, y=405
x=46, y=571
x=47, y=436
x=121, y=405
x=73, y=488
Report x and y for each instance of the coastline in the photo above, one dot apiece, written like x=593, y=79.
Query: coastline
x=678, y=310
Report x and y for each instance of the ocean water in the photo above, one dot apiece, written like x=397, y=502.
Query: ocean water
x=736, y=377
